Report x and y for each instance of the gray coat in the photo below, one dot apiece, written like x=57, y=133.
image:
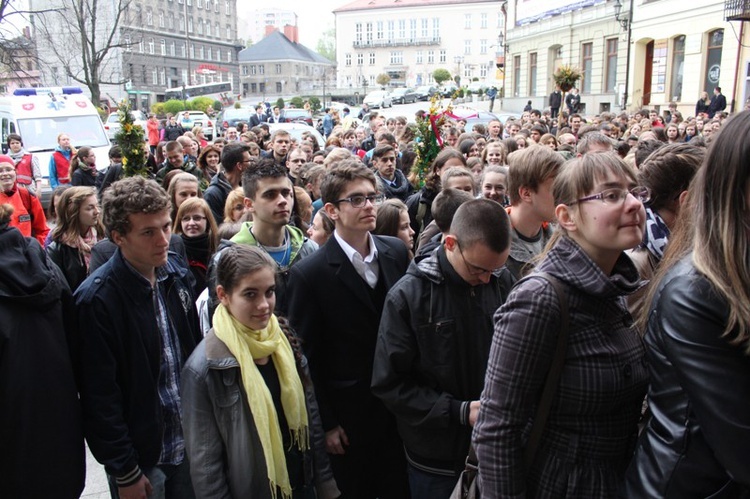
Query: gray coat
x=222, y=442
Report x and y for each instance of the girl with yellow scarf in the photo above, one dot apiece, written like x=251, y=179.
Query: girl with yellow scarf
x=250, y=418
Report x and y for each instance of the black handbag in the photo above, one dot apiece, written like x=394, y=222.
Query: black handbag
x=467, y=486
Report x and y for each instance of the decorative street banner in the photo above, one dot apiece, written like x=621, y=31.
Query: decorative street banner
x=529, y=11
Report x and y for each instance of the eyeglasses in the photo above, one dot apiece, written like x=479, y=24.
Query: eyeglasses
x=616, y=195
x=194, y=218
x=359, y=200
x=475, y=270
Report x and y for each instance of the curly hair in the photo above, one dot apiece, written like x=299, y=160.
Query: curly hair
x=131, y=196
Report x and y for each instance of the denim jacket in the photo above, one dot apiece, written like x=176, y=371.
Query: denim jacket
x=224, y=449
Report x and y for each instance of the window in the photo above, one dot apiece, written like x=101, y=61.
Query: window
x=412, y=28
x=190, y=3
x=183, y=52
x=209, y=53
x=229, y=31
x=419, y=57
x=161, y=19
x=200, y=26
x=424, y=33
x=430, y=57
x=182, y=22
x=360, y=59
x=391, y=29
x=278, y=69
x=436, y=27
x=227, y=7
x=483, y=20
x=483, y=71
x=467, y=21
x=208, y=5
x=678, y=62
x=201, y=53
x=261, y=69
x=208, y=27
x=587, y=50
x=611, y=81
x=467, y=47
x=229, y=56
x=170, y=21
x=358, y=33
x=262, y=87
x=163, y=45
x=713, y=60
x=532, y=73
x=151, y=46
x=141, y=46
x=155, y=76
x=368, y=32
x=190, y=24
x=185, y=77
x=482, y=46
x=379, y=30
x=128, y=46
x=252, y=69
x=443, y=56
x=397, y=57
x=216, y=6
x=172, y=49
x=278, y=87
x=516, y=75
x=199, y=4
x=218, y=27
x=348, y=59
x=163, y=77
x=192, y=51
x=402, y=28
x=372, y=58
x=149, y=17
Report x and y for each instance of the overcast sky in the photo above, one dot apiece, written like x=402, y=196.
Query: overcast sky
x=314, y=16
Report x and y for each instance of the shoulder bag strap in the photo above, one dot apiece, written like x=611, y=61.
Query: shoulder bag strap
x=553, y=376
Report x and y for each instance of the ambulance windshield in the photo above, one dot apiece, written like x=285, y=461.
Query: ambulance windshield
x=40, y=134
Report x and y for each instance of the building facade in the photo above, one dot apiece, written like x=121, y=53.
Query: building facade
x=19, y=63
x=632, y=53
x=158, y=45
x=409, y=39
x=280, y=66
x=254, y=26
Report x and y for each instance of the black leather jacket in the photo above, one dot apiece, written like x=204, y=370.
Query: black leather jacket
x=697, y=439
x=70, y=261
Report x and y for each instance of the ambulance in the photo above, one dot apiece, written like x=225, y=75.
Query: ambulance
x=39, y=115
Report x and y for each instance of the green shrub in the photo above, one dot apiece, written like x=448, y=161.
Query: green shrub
x=297, y=102
x=174, y=106
x=280, y=103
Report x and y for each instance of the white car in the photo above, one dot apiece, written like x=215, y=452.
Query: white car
x=296, y=130
x=112, y=125
x=197, y=118
x=378, y=99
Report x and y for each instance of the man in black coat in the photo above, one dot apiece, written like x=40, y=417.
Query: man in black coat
x=258, y=118
x=335, y=301
x=718, y=103
x=555, y=101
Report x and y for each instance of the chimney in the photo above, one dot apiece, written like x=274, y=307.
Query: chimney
x=291, y=33
x=270, y=28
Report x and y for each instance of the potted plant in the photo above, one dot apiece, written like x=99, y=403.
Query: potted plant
x=566, y=78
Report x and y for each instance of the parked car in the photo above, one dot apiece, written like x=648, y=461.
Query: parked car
x=297, y=116
x=112, y=125
x=448, y=89
x=403, y=95
x=476, y=86
x=197, y=118
x=379, y=99
x=232, y=116
x=296, y=130
x=425, y=92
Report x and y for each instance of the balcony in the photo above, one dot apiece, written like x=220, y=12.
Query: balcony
x=737, y=10
x=398, y=42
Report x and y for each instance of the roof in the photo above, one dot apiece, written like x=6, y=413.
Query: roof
x=395, y=4
x=277, y=47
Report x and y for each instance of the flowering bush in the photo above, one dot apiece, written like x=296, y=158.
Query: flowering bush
x=130, y=138
x=428, y=141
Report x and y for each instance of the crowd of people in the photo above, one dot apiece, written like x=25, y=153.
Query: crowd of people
x=270, y=317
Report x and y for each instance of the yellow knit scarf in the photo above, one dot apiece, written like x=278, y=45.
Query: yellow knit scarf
x=247, y=345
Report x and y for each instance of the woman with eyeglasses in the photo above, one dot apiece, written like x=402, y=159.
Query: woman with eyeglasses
x=591, y=430
x=195, y=224
x=696, y=440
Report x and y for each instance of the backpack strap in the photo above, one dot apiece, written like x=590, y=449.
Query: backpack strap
x=553, y=375
x=26, y=200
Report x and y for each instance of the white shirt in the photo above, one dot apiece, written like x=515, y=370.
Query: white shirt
x=367, y=268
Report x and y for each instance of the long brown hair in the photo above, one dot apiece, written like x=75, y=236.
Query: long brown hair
x=68, y=229
x=714, y=226
x=191, y=204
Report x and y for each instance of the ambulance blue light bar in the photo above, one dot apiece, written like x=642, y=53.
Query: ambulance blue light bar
x=26, y=92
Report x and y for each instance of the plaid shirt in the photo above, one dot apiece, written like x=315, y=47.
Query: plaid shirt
x=173, y=441
x=590, y=434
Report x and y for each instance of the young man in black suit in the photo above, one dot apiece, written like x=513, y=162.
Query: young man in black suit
x=336, y=298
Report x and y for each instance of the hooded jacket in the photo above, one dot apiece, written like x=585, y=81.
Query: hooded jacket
x=41, y=435
x=431, y=356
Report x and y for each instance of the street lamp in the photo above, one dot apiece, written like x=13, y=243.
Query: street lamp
x=622, y=18
x=458, y=60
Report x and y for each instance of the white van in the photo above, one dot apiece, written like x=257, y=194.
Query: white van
x=39, y=115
